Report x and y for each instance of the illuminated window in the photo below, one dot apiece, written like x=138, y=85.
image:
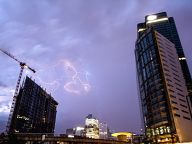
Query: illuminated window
x=157, y=131
x=153, y=132
x=157, y=20
x=168, y=129
x=161, y=130
x=151, y=17
x=141, y=29
x=182, y=58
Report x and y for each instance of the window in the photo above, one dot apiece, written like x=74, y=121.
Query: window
x=171, y=90
x=182, y=100
x=179, y=89
x=172, y=61
x=174, y=102
x=150, y=38
x=185, y=111
x=169, y=80
x=177, y=115
x=178, y=84
x=161, y=130
x=172, y=96
x=171, y=56
x=169, y=85
x=175, y=108
x=175, y=74
x=180, y=95
x=186, y=118
x=157, y=131
x=177, y=79
x=183, y=105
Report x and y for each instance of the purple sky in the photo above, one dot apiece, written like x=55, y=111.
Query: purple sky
x=83, y=52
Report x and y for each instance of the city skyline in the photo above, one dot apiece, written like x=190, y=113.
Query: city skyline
x=83, y=53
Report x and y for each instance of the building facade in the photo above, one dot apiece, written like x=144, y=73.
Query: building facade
x=80, y=131
x=35, y=110
x=166, y=26
x=103, y=131
x=77, y=131
x=91, y=127
x=162, y=88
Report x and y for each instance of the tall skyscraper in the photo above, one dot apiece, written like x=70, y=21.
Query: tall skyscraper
x=35, y=110
x=163, y=91
x=166, y=26
x=91, y=127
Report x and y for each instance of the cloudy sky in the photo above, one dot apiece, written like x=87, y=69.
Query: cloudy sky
x=83, y=52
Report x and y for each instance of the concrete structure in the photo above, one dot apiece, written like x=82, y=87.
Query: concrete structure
x=166, y=26
x=163, y=90
x=35, y=110
x=123, y=136
x=51, y=139
x=91, y=127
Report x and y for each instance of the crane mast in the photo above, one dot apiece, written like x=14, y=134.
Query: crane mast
x=22, y=66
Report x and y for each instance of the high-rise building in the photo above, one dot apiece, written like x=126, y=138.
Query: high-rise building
x=162, y=87
x=35, y=110
x=91, y=127
x=103, y=131
x=166, y=26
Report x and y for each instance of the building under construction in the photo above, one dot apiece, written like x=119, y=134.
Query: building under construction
x=34, y=111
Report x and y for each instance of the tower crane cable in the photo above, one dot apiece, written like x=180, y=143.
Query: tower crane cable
x=22, y=66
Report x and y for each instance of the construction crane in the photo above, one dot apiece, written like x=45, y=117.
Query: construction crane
x=22, y=66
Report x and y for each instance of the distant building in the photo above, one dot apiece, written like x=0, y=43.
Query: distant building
x=79, y=131
x=35, y=110
x=70, y=131
x=91, y=127
x=103, y=131
x=123, y=136
x=163, y=91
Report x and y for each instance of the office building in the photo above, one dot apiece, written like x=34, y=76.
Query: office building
x=77, y=131
x=80, y=131
x=103, y=131
x=166, y=113
x=166, y=26
x=35, y=110
x=91, y=127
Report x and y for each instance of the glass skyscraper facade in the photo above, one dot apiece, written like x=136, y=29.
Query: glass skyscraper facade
x=35, y=110
x=166, y=26
x=163, y=93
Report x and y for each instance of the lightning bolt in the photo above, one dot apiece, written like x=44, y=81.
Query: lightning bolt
x=76, y=84
x=77, y=81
